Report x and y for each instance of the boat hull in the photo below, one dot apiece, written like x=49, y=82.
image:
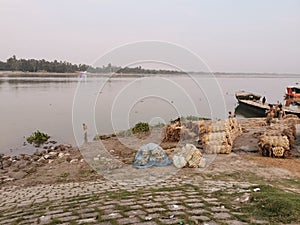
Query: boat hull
x=253, y=109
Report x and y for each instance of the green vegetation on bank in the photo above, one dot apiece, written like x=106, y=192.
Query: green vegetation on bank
x=38, y=138
x=34, y=65
x=277, y=205
x=140, y=127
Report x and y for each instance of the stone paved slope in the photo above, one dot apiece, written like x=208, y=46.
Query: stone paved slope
x=187, y=200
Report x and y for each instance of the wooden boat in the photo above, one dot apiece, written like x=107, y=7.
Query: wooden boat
x=293, y=92
x=252, y=103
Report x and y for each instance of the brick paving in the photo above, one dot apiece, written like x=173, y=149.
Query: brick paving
x=184, y=200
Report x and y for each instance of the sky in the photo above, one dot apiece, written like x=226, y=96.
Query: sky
x=228, y=35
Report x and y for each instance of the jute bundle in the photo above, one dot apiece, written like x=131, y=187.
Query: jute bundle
x=201, y=127
x=283, y=129
x=172, y=133
x=189, y=156
x=217, y=142
x=275, y=141
x=216, y=149
x=218, y=128
x=278, y=151
x=195, y=159
x=290, y=133
x=273, y=145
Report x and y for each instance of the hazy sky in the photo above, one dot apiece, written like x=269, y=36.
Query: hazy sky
x=229, y=35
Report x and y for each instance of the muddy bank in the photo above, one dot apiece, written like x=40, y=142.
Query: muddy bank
x=59, y=163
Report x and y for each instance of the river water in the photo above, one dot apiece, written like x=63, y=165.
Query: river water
x=60, y=105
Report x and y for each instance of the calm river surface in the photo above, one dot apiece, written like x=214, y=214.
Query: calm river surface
x=59, y=105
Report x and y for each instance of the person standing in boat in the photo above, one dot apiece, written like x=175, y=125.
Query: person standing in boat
x=263, y=100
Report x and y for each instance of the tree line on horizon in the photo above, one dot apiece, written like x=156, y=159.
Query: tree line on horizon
x=34, y=65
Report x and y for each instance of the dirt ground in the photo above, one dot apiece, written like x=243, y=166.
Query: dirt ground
x=244, y=158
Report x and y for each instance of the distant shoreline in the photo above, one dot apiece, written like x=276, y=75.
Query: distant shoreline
x=20, y=73
x=120, y=75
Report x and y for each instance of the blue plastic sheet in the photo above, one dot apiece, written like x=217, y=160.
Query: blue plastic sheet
x=151, y=155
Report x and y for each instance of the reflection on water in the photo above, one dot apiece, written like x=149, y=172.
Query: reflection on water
x=45, y=103
x=242, y=111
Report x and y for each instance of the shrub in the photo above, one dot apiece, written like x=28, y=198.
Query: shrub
x=140, y=127
x=38, y=138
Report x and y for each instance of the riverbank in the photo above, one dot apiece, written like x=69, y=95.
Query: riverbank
x=65, y=163
x=58, y=186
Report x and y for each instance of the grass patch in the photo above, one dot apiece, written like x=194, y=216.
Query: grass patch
x=238, y=176
x=85, y=174
x=275, y=204
x=119, y=194
x=79, y=198
x=55, y=221
x=291, y=182
x=184, y=187
x=73, y=223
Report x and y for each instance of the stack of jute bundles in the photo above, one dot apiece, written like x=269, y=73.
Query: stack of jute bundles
x=172, y=132
x=283, y=129
x=273, y=145
x=176, y=132
x=235, y=128
x=219, y=135
x=278, y=139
